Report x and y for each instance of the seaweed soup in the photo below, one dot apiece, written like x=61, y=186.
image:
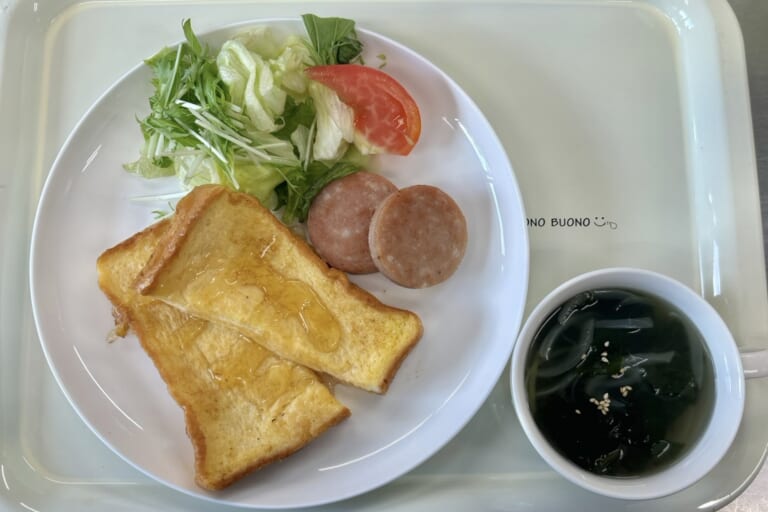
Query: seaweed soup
x=619, y=382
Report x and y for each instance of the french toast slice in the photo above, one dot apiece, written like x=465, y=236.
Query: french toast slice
x=228, y=259
x=244, y=407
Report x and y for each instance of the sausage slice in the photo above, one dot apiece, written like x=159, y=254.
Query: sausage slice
x=418, y=236
x=339, y=219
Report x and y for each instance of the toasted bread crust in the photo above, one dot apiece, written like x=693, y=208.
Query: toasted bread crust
x=192, y=212
x=154, y=321
x=121, y=309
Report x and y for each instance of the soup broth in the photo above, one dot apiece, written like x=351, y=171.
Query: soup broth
x=619, y=382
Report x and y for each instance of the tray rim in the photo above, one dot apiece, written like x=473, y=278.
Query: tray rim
x=733, y=75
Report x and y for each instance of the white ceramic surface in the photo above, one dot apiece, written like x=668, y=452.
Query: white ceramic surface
x=469, y=321
x=728, y=384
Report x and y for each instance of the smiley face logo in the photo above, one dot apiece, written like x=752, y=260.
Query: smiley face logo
x=602, y=222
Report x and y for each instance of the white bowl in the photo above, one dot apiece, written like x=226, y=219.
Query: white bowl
x=728, y=405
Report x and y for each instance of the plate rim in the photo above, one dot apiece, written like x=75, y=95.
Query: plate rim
x=521, y=239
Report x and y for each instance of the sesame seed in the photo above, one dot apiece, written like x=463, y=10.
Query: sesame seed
x=604, y=359
x=577, y=411
x=607, y=343
x=602, y=405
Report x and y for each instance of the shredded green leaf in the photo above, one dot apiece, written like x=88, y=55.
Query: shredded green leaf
x=191, y=115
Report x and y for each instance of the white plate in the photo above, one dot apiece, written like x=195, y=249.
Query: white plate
x=470, y=321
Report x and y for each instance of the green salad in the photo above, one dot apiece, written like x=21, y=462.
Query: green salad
x=247, y=116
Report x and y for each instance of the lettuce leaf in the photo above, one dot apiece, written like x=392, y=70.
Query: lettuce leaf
x=335, y=123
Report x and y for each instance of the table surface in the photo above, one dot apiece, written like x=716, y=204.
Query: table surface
x=753, y=18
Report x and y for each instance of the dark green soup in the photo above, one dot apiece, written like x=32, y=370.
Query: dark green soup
x=619, y=382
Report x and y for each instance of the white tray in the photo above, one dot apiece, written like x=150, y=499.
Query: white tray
x=632, y=113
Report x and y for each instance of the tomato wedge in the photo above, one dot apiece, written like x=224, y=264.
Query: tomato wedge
x=385, y=113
